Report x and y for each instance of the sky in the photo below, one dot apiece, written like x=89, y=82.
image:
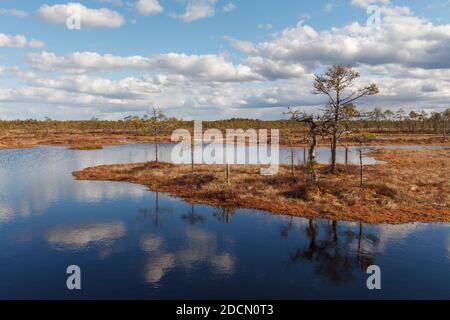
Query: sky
x=216, y=59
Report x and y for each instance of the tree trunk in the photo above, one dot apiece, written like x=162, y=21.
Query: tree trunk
x=228, y=173
x=334, y=138
x=361, y=173
x=292, y=160
x=156, y=141
x=312, y=158
x=292, y=164
x=333, y=150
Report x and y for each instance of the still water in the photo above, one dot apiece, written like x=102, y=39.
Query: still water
x=132, y=243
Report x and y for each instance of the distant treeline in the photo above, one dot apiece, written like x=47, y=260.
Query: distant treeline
x=375, y=121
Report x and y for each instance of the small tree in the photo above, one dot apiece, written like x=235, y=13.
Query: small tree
x=423, y=117
x=400, y=116
x=389, y=115
x=377, y=115
x=363, y=139
x=338, y=85
x=349, y=114
x=157, y=117
x=414, y=116
x=436, y=121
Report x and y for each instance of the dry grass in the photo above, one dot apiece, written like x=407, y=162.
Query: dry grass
x=412, y=186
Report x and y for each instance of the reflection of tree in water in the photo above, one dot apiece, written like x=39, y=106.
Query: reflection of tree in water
x=365, y=257
x=192, y=217
x=337, y=254
x=284, y=230
x=153, y=214
x=223, y=214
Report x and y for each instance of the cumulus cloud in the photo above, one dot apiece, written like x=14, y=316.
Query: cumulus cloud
x=19, y=41
x=197, y=9
x=126, y=88
x=148, y=7
x=403, y=39
x=201, y=67
x=205, y=67
x=81, y=61
x=89, y=18
x=273, y=69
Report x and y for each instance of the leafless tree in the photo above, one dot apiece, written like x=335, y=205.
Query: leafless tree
x=157, y=117
x=363, y=139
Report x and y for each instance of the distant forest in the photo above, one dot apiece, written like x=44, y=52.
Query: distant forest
x=374, y=121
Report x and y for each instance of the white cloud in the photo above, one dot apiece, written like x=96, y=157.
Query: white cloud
x=273, y=70
x=13, y=12
x=408, y=58
x=89, y=18
x=33, y=43
x=19, y=41
x=126, y=88
x=245, y=46
x=79, y=62
x=229, y=7
x=197, y=9
x=191, y=97
x=200, y=67
x=204, y=67
x=403, y=39
x=148, y=7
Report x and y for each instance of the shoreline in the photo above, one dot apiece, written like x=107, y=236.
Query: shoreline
x=415, y=187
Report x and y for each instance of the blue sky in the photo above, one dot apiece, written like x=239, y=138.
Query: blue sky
x=215, y=58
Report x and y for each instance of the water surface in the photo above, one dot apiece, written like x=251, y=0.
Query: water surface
x=133, y=243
